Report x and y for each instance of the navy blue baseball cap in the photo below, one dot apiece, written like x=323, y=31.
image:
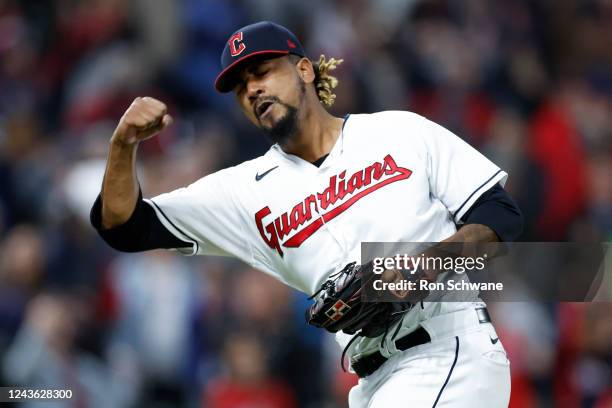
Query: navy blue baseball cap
x=262, y=38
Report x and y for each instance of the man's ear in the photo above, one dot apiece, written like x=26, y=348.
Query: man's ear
x=305, y=70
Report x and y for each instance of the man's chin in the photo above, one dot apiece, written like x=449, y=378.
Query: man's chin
x=280, y=129
x=268, y=128
x=267, y=124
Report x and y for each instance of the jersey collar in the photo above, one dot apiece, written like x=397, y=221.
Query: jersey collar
x=335, y=152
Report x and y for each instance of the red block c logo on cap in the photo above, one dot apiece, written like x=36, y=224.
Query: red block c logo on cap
x=236, y=45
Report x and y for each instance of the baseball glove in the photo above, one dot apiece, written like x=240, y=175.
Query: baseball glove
x=338, y=305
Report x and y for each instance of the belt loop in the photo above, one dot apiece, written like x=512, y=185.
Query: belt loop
x=483, y=315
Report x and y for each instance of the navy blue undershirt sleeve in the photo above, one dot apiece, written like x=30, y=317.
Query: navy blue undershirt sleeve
x=141, y=232
x=496, y=209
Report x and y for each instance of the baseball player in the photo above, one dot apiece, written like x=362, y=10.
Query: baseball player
x=301, y=211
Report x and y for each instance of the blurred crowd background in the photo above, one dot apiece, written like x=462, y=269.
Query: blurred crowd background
x=527, y=82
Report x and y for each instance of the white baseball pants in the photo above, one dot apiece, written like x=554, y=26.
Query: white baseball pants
x=464, y=365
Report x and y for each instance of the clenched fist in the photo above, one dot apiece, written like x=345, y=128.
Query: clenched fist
x=143, y=119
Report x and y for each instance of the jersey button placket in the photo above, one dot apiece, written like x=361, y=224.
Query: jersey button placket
x=322, y=183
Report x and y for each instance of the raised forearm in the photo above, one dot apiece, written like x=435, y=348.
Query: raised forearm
x=143, y=119
x=120, y=185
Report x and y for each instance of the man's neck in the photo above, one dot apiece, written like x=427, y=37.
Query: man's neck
x=316, y=136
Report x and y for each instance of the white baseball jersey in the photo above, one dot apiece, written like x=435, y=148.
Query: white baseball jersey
x=391, y=176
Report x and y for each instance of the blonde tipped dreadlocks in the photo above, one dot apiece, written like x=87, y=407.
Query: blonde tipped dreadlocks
x=324, y=82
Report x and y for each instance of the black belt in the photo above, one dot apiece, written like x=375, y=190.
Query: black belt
x=370, y=363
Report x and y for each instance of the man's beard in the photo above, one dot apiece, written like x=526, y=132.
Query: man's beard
x=287, y=126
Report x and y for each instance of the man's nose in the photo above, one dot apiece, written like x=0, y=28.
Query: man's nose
x=254, y=90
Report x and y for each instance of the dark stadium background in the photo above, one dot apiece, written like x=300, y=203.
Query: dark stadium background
x=529, y=83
